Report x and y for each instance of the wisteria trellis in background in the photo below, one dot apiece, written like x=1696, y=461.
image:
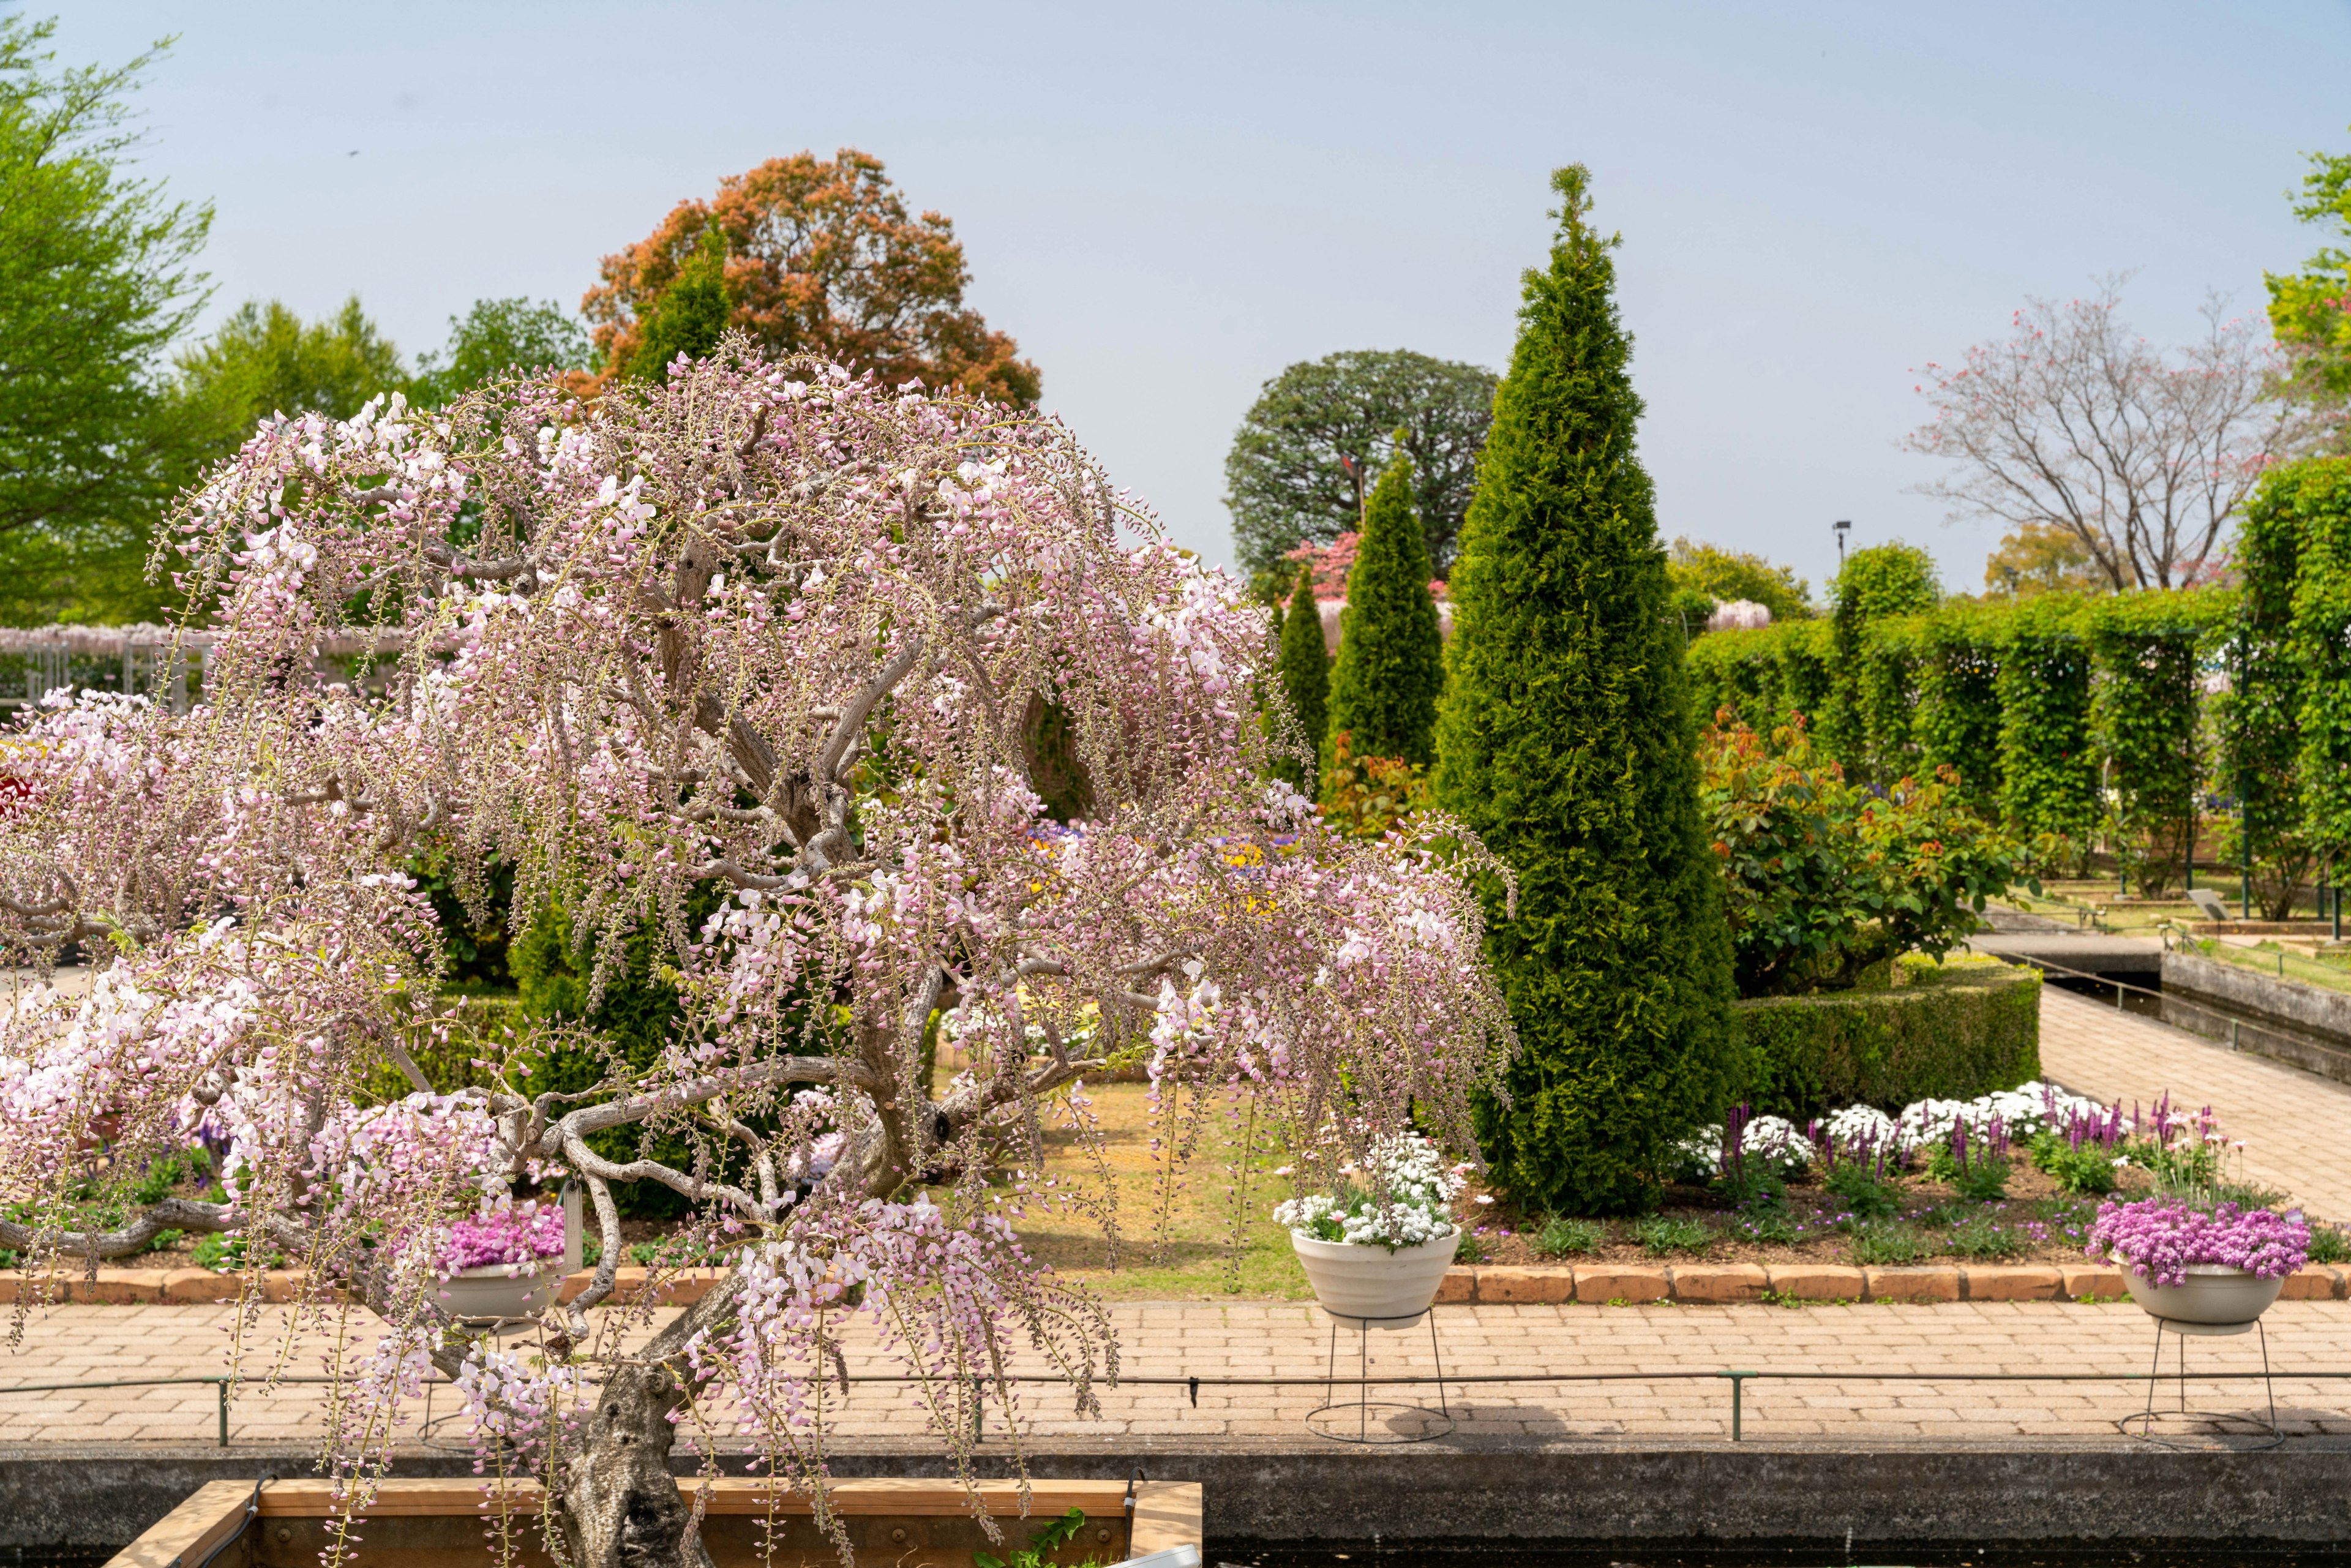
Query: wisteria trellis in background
x=766, y=629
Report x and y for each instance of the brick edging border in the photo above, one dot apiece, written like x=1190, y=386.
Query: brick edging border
x=138, y=1287
x=1694, y=1283
x=1713, y=1283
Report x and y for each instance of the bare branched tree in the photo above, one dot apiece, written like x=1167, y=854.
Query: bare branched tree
x=2074, y=422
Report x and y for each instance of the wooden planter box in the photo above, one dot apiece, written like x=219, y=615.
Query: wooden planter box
x=904, y=1523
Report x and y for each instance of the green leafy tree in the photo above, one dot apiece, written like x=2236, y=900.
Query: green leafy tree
x=1565, y=740
x=1306, y=666
x=1320, y=428
x=2310, y=310
x=96, y=279
x=497, y=336
x=1723, y=575
x=2041, y=558
x=1391, y=664
x=690, y=316
x=265, y=360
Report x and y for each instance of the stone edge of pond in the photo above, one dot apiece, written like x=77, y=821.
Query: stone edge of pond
x=2101, y=1494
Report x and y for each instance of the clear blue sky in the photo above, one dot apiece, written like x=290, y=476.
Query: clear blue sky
x=1167, y=205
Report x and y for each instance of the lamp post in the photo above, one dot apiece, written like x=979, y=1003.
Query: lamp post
x=1842, y=526
x=1354, y=476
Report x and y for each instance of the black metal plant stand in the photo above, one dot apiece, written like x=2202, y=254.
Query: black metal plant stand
x=1330, y=1418
x=2182, y=1331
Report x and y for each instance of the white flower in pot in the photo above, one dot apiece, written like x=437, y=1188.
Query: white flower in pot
x=1380, y=1248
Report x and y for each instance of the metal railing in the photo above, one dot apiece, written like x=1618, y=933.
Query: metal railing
x=1738, y=1379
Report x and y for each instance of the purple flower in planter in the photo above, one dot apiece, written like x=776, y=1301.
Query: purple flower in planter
x=522, y=1234
x=2162, y=1237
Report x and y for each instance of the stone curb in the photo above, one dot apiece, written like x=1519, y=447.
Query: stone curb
x=1714, y=1284
x=147, y=1287
x=1709, y=1285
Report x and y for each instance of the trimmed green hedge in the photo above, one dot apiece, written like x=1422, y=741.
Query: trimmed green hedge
x=1952, y=1032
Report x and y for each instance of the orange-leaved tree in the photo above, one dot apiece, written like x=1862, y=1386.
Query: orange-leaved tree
x=820, y=257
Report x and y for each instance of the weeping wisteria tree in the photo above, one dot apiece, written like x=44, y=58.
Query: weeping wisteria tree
x=768, y=640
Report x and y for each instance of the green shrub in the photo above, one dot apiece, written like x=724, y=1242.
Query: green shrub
x=1391, y=664
x=1975, y=1171
x=1564, y=740
x=1566, y=1236
x=637, y=1012
x=1305, y=676
x=2328, y=1244
x=1958, y=722
x=2321, y=651
x=1888, y=699
x=2261, y=718
x=2088, y=1169
x=1660, y=1234
x=1824, y=882
x=1875, y=584
x=1738, y=670
x=1950, y=1032
x=2048, y=752
x=2144, y=651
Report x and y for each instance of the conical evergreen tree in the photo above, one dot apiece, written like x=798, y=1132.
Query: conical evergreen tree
x=1391, y=665
x=1566, y=741
x=1306, y=670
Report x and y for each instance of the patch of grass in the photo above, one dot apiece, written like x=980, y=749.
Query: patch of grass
x=1561, y=1237
x=1886, y=1241
x=1191, y=1256
x=1659, y=1235
x=2329, y=1245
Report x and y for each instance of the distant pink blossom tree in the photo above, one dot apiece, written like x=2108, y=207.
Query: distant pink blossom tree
x=2074, y=422
x=766, y=629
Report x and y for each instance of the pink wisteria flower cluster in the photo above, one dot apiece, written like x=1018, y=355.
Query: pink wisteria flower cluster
x=2162, y=1237
x=518, y=1233
x=766, y=637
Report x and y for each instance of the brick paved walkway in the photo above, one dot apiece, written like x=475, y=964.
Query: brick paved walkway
x=1263, y=1338
x=2296, y=1126
x=2294, y=1123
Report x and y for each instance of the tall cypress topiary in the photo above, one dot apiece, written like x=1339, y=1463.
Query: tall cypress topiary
x=1391, y=665
x=1567, y=742
x=1306, y=667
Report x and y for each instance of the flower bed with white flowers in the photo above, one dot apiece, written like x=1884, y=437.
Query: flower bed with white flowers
x=2018, y=1175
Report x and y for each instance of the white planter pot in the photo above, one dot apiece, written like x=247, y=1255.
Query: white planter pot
x=2213, y=1298
x=491, y=1291
x=1366, y=1281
